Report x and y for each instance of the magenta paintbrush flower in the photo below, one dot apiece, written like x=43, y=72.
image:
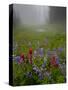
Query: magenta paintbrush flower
x=30, y=55
x=22, y=57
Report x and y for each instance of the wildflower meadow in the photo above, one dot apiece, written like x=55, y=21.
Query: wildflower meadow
x=39, y=57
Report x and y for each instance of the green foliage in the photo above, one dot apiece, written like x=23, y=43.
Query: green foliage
x=60, y=79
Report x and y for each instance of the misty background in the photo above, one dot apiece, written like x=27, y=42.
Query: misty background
x=37, y=15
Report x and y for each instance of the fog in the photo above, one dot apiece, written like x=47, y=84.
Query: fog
x=31, y=14
x=37, y=15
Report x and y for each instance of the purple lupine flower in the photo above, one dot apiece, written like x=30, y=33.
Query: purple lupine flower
x=29, y=74
x=40, y=76
x=60, y=49
x=41, y=52
x=17, y=58
x=48, y=53
x=57, y=60
x=36, y=70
